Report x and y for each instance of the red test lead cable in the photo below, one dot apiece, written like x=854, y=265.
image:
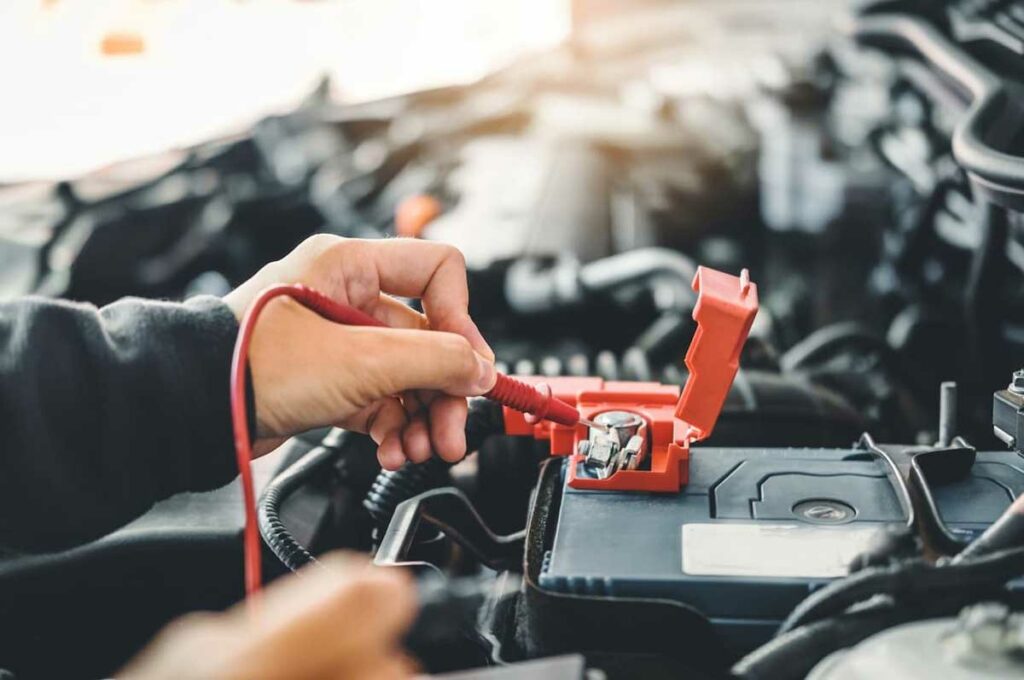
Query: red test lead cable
x=535, y=401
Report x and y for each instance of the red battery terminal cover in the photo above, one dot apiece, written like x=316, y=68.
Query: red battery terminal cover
x=725, y=309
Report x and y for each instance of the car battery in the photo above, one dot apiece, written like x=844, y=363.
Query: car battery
x=752, y=533
x=742, y=535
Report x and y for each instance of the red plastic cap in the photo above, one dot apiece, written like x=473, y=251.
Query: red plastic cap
x=725, y=309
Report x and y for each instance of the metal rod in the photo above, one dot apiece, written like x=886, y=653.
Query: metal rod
x=947, y=413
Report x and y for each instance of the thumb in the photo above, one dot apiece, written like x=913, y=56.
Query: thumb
x=399, y=360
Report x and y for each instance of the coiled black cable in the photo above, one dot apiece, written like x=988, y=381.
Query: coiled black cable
x=392, y=487
x=389, y=489
x=825, y=342
x=275, y=534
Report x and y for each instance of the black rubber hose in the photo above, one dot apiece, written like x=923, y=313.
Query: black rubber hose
x=640, y=265
x=534, y=286
x=824, y=342
x=275, y=534
x=392, y=487
x=793, y=655
x=906, y=579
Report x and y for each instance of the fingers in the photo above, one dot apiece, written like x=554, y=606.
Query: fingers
x=397, y=314
x=400, y=361
x=448, y=427
x=393, y=361
x=385, y=421
x=327, y=622
x=340, y=618
x=390, y=452
x=384, y=417
x=308, y=372
x=356, y=271
x=440, y=427
x=435, y=427
x=416, y=439
x=433, y=272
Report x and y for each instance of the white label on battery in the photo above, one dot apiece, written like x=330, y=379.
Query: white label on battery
x=772, y=550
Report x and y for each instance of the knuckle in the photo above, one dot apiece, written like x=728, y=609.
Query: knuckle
x=318, y=243
x=361, y=283
x=341, y=250
x=453, y=255
x=461, y=359
x=458, y=348
x=271, y=271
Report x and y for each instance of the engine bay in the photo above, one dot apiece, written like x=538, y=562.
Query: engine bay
x=839, y=188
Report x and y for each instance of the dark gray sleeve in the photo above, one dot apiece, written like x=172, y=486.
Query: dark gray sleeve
x=105, y=411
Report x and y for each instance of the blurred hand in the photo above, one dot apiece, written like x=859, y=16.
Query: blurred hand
x=343, y=620
x=405, y=386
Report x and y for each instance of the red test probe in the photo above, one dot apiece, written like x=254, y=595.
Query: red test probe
x=536, y=401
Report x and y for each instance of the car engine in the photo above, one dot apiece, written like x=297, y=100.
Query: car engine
x=841, y=185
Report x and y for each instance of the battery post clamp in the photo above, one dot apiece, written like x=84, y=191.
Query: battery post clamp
x=725, y=310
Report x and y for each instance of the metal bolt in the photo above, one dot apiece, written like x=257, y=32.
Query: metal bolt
x=824, y=511
x=1017, y=384
x=622, y=423
x=947, y=413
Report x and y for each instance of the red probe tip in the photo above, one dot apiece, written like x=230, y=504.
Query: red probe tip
x=536, y=401
x=594, y=425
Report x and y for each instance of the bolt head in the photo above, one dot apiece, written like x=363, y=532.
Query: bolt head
x=1017, y=383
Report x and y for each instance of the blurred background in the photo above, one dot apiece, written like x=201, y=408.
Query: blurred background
x=100, y=82
x=584, y=154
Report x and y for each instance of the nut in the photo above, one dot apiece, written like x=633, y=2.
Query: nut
x=1017, y=384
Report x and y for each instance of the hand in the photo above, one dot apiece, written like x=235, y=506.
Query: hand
x=343, y=620
x=406, y=385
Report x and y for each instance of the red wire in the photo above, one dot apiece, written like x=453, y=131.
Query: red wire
x=243, y=440
x=239, y=412
x=506, y=390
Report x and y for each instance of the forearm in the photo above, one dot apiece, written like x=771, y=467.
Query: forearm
x=104, y=412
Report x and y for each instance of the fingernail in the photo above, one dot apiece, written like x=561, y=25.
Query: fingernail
x=390, y=459
x=487, y=374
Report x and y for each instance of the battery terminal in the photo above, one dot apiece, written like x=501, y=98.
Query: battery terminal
x=617, y=441
x=665, y=420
